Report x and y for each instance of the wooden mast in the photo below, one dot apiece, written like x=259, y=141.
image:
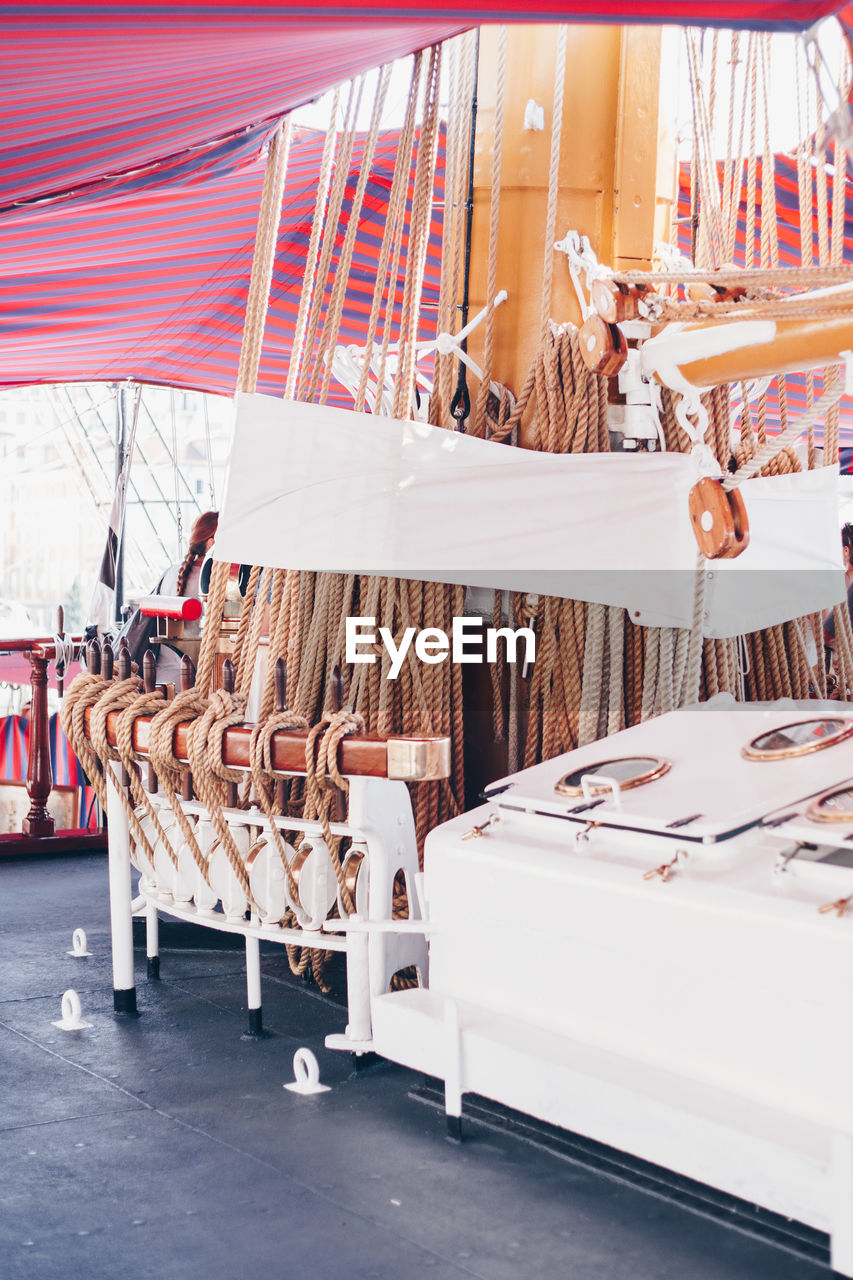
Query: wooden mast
x=616, y=186
x=616, y=175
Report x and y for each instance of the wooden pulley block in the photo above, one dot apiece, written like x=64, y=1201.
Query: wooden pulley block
x=617, y=302
x=704, y=291
x=603, y=347
x=719, y=519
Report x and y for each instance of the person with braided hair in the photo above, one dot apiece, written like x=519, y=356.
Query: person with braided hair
x=188, y=571
x=178, y=580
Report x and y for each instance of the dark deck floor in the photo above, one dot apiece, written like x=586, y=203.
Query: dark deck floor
x=166, y=1147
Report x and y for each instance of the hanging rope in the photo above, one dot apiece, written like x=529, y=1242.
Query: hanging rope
x=554, y=174
x=396, y=210
x=336, y=302
x=260, y=281
x=477, y=426
x=418, y=239
x=312, y=255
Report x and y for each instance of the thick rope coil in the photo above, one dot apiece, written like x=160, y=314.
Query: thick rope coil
x=115, y=697
x=119, y=695
x=321, y=751
x=170, y=772
x=145, y=704
x=213, y=609
x=204, y=749
x=775, y=446
x=247, y=617
x=260, y=763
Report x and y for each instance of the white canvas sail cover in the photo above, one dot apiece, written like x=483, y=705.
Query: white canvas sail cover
x=317, y=488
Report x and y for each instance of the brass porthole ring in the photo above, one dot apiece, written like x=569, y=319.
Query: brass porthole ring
x=838, y=730
x=655, y=767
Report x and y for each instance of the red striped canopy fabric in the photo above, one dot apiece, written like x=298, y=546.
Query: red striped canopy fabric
x=94, y=87
x=790, y=255
x=130, y=172
x=66, y=770
x=150, y=281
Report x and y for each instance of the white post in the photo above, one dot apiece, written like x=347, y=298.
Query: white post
x=253, y=986
x=453, y=1070
x=359, y=1026
x=152, y=941
x=121, y=918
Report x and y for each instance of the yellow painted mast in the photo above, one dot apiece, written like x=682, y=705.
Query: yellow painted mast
x=616, y=174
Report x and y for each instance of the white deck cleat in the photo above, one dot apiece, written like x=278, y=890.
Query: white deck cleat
x=78, y=944
x=71, y=1019
x=306, y=1070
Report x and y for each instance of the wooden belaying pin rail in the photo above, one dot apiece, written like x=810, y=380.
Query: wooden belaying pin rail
x=408, y=759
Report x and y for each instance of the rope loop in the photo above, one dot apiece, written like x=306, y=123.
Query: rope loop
x=323, y=776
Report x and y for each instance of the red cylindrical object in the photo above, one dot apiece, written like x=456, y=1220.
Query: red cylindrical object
x=186, y=608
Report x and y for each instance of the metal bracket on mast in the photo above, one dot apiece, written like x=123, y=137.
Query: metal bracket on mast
x=581, y=257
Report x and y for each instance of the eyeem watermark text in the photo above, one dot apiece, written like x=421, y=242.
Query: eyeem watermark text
x=469, y=641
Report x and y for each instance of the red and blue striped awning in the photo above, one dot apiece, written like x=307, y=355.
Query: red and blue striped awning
x=97, y=87
x=790, y=255
x=130, y=177
x=66, y=770
x=150, y=281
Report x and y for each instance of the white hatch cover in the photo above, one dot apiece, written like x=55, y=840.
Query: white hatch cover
x=825, y=820
x=697, y=773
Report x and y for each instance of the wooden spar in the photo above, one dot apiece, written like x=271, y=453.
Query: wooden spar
x=797, y=345
x=413, y=759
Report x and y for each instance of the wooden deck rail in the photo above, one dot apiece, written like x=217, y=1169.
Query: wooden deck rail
x=405, y=758
x=411, y=759
x=39, y=833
